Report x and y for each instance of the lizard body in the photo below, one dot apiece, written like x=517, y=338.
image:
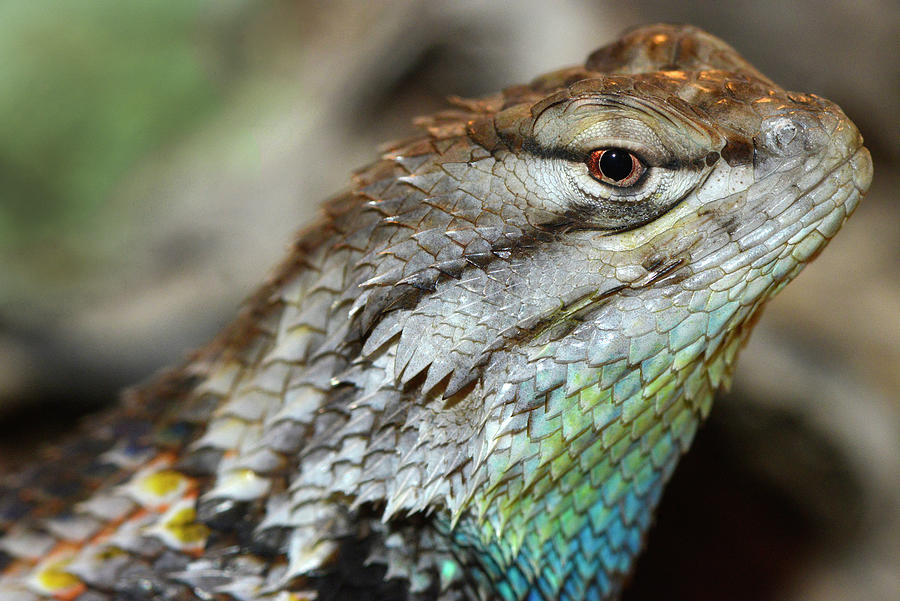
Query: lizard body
x=473, y=376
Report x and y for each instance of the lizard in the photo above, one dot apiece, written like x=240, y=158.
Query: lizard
x=473, y=375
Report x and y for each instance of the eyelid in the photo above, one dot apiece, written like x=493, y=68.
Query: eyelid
x=629, y=133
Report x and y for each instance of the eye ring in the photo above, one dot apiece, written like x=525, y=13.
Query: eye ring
x=615, y=166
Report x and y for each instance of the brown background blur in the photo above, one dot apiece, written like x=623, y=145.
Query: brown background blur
x=156, y=156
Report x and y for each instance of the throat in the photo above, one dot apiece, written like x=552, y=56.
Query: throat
x=570, y=528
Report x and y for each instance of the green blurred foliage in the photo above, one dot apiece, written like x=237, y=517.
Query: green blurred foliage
x=87, y=88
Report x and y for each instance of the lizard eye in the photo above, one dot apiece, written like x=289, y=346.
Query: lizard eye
x=615, y=166
x=617, y=163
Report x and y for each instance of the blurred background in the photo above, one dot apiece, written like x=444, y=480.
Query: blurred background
x=156, y=156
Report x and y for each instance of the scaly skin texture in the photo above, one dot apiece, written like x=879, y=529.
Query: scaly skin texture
x=474, y=375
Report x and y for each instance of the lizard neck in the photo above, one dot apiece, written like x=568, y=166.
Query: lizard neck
x=568, y=507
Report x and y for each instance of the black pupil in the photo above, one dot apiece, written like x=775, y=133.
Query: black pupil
x=615, y=164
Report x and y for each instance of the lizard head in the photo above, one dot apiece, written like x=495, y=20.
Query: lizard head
x=701, y=144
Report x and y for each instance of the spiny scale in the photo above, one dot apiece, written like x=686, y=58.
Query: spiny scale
x=474, y=375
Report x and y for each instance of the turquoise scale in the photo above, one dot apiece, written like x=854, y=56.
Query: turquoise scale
x=579, y=490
